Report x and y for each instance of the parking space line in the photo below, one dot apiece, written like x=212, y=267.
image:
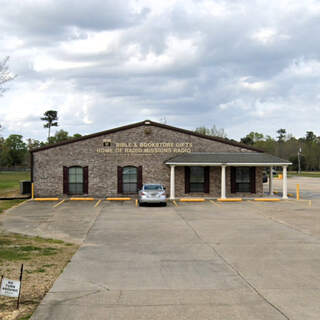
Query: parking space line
x=136, y=202
x=98, y=202
x=174, y=202
x=46, y=199
x=58, y=204
x=215, y=203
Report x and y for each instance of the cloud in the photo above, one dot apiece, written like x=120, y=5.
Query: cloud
x=245, y=66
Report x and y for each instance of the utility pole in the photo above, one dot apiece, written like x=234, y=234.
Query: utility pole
x=299, y=165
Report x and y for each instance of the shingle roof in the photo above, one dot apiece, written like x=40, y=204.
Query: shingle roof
x=151, y=123
x=227, y=158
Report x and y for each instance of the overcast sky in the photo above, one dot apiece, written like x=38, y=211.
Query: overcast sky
x=241, y=65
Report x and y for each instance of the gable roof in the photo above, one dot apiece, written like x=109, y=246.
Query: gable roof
x=146, y=123
x=227, y=158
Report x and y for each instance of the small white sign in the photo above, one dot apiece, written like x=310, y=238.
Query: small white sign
x=10, y=288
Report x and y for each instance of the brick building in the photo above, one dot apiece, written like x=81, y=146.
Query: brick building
x=116, y=162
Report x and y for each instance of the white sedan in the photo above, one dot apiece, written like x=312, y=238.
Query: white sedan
x=152, y=193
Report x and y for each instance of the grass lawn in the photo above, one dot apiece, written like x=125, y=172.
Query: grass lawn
x=43, y=259
x=312, y=174
x=10, y=182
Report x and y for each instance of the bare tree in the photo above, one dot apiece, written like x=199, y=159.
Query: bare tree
x=5, y=74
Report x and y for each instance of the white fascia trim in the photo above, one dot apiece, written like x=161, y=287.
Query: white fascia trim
x=229, y=164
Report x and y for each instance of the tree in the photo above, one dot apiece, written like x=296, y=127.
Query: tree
x=214, y=131
x=59, y=136
x=33, y=144
x=14, y=151
x=295, y=162
x=51, y=117
x=252, y=138
x=62, y=135
x=281, y=135
x=310, y=137
x=5, y=74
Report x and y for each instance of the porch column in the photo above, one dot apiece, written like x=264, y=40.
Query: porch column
x=223, y=182
x=172, y=182
x=270, y=181
x=284, y=183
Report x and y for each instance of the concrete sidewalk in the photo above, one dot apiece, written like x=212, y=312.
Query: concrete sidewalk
x=195, y=261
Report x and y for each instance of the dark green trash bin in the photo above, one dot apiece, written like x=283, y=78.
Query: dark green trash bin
x=25, y=187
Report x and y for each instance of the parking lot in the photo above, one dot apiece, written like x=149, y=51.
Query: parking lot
x=208, y=260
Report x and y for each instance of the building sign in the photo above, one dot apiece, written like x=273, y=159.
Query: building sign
x=10, y=288
x=145, y=147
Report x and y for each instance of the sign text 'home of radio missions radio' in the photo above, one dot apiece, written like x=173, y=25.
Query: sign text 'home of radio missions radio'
x=147, y=147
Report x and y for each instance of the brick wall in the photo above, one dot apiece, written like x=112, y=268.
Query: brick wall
x=48, y=163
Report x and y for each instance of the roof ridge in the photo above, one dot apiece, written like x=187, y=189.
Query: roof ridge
x=149, y=122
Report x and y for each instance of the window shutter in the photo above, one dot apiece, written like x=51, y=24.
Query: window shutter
x=85, y=180
x=65, y=180
x=207, y=180
x=253, y=179
x=139, y=182
x=120, y=180
x=233, y=180
x=187, y=179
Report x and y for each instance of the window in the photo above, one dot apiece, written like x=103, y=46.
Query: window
x=243, y=179
x=197, y=179
x=76, y=180
x=129, y=180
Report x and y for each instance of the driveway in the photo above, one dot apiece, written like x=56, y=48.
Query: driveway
x=309, y=187
x=194, y=261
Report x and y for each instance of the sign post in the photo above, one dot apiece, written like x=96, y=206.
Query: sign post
x=21, y=271
x=11, y=288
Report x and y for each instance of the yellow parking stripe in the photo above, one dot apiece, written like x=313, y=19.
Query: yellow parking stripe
x=76, y=199
x=229, y=199
x=118, y=199
x=46, y=199
x=58, y=204
x=98, y=202
x=192, y=200
x=266, y=199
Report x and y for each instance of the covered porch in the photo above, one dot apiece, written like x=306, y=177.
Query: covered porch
x=242, y=169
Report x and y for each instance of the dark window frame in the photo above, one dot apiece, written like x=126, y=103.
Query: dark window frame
x=248, y=186
x=130, y=183
x=66, y=180
x=191, y=183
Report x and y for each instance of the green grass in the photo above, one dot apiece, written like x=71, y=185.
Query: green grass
x=312, y=174
x=23, y=252
x=10, y=181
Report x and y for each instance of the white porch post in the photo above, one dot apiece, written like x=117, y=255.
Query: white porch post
x=223, y=182
x=284, y=183
x=172, y=182
x=270, y=181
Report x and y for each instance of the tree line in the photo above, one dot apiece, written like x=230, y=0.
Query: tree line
x=305, y=150
x=15, y=151
x=286, y=146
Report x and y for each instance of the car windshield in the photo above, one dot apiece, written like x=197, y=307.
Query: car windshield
x=150, y=187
